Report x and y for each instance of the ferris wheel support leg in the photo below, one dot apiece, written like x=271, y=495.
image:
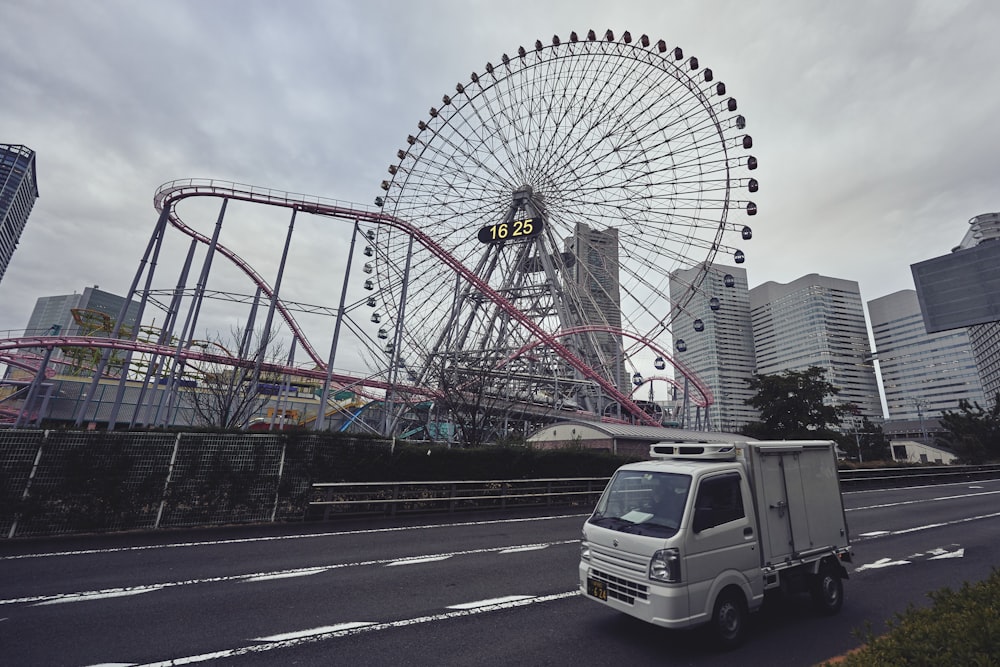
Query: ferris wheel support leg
x=390, y=418
x=320, y=423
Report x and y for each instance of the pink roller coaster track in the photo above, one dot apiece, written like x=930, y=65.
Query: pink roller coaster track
x=171, y=193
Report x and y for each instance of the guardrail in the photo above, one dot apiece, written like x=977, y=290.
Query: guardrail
x=880, y=478
x=334, y=499
x=353, y=499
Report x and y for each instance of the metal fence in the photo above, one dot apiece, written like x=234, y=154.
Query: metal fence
x=58, y=482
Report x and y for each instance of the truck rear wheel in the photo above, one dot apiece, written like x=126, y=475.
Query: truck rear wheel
x=827, y=589
x=729, y=619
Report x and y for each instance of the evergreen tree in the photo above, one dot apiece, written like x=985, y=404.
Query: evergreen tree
x=794, y=405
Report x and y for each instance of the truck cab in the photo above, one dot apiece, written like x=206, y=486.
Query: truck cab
x=698, y=533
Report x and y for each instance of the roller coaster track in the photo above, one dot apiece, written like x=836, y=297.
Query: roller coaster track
x=706, y=398
x=193, y=354
x=169, y=194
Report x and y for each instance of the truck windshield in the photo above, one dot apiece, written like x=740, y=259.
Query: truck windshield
x=647, y=503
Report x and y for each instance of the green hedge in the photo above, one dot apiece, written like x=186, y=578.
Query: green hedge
x=959, y=628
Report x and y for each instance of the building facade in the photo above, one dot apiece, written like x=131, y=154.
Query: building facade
x=93, y=312
x=922, y=373
x=962, y=289
x=18, y=192
x=717, y=340
x=595, y=298
x=817, y=321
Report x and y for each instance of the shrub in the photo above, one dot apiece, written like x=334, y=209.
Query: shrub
x=959, y=628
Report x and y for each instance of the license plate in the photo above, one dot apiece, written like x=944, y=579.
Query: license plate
x=597, y=589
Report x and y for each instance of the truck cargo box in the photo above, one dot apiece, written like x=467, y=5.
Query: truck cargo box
x=797, y=492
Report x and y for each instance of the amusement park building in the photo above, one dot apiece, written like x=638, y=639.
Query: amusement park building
x=18, y=192
x=621, y=439
x=922, y=373
x=718, y=340
x=817, y=321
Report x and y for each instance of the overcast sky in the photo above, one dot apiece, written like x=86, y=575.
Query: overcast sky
x=874, y=122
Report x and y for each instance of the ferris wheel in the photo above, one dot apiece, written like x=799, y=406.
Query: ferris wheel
x=577, y=179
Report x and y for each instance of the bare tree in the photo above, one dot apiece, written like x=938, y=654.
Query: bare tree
x=232, y=388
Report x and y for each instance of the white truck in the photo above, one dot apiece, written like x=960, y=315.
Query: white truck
x=699, y=533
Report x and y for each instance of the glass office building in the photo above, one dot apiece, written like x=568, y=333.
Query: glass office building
x=922, y=373
x=718, y=340
x=817, y=321
x=18, y=192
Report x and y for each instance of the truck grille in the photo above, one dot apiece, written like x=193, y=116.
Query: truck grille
x=621, y=589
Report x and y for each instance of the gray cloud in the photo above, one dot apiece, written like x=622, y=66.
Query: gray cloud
x=872, y=121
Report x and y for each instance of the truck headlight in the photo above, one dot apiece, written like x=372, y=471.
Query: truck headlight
x=665, y=565
x=584, y=548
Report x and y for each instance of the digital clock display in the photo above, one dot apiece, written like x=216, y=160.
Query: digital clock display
x=511, y=231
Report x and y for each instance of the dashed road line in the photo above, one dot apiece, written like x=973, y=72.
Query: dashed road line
x=257, y=577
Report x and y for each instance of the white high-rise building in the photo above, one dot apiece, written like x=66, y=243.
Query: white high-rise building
x=922, y=373
x=718, y=341
x=817, y=321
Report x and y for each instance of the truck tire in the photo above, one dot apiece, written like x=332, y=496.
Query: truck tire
x=729, y=619
x=827, y=590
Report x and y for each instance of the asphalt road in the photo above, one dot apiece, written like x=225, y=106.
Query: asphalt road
x=484, y=590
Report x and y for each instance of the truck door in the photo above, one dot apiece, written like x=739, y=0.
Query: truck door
x=781, y=500
x=721, y=539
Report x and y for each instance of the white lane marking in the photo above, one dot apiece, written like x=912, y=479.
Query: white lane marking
x=113, y=664
x=289, y=643
x=925, y=500
x=253, y=578
x=915, y=486
x=489, y=603
x=952, y=554
x=315, y=631
x=944, y=524
x=880, y=563
x=263, y=576
x=531, y=547
x=98, y=595
x=418, y=560
x=275, y=538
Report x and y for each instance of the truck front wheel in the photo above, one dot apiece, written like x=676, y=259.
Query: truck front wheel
x=729, y=619
x=827, y=590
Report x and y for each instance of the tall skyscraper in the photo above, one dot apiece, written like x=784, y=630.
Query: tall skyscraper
x=18, y=192
x=718, y=340
x=922, y=373
x=595, y=299
x=817, y=321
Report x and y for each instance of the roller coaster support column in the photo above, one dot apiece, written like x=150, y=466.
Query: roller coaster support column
x=33, y=390
x=268, y=322
x=127, y=362
x=187, y=333
x=320, y=423
x=153, y=247
x=166, y=333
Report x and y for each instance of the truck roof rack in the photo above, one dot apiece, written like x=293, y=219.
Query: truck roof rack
x=693, y=450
